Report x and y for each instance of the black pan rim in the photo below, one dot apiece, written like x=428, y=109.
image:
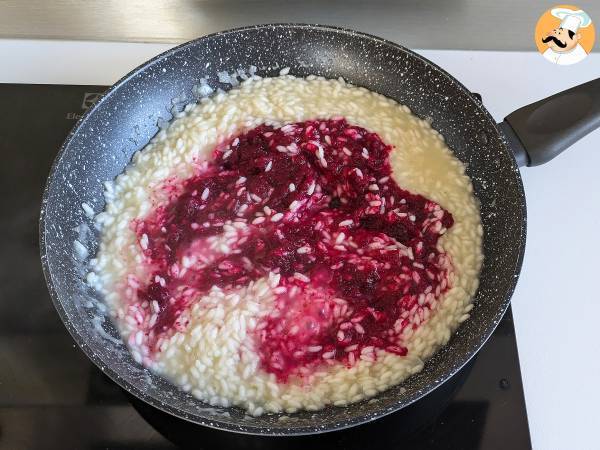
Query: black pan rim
x=255, y=430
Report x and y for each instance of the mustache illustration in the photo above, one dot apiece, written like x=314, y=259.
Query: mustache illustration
x=556, y=41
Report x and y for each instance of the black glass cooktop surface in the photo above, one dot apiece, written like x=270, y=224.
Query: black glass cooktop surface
x=52, y=397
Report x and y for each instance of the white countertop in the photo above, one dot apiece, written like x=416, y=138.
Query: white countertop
x=555, y=305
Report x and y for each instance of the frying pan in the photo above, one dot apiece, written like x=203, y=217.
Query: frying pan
x=125, y=118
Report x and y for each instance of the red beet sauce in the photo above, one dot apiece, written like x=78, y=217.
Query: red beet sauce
x=315, y=202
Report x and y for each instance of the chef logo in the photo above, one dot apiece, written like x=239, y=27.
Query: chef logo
x=565, y=35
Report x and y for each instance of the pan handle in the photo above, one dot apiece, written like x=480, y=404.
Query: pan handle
x=542, y=130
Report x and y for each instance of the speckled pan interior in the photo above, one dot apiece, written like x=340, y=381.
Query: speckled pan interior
x=123, y=121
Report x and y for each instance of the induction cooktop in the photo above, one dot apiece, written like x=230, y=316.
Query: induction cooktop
x=52, y=396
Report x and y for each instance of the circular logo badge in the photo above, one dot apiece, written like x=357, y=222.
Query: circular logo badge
x=565, y=35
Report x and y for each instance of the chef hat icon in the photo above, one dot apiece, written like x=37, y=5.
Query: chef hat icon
x=570, y=19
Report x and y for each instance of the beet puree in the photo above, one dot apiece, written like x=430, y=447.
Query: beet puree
x=315, y=202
